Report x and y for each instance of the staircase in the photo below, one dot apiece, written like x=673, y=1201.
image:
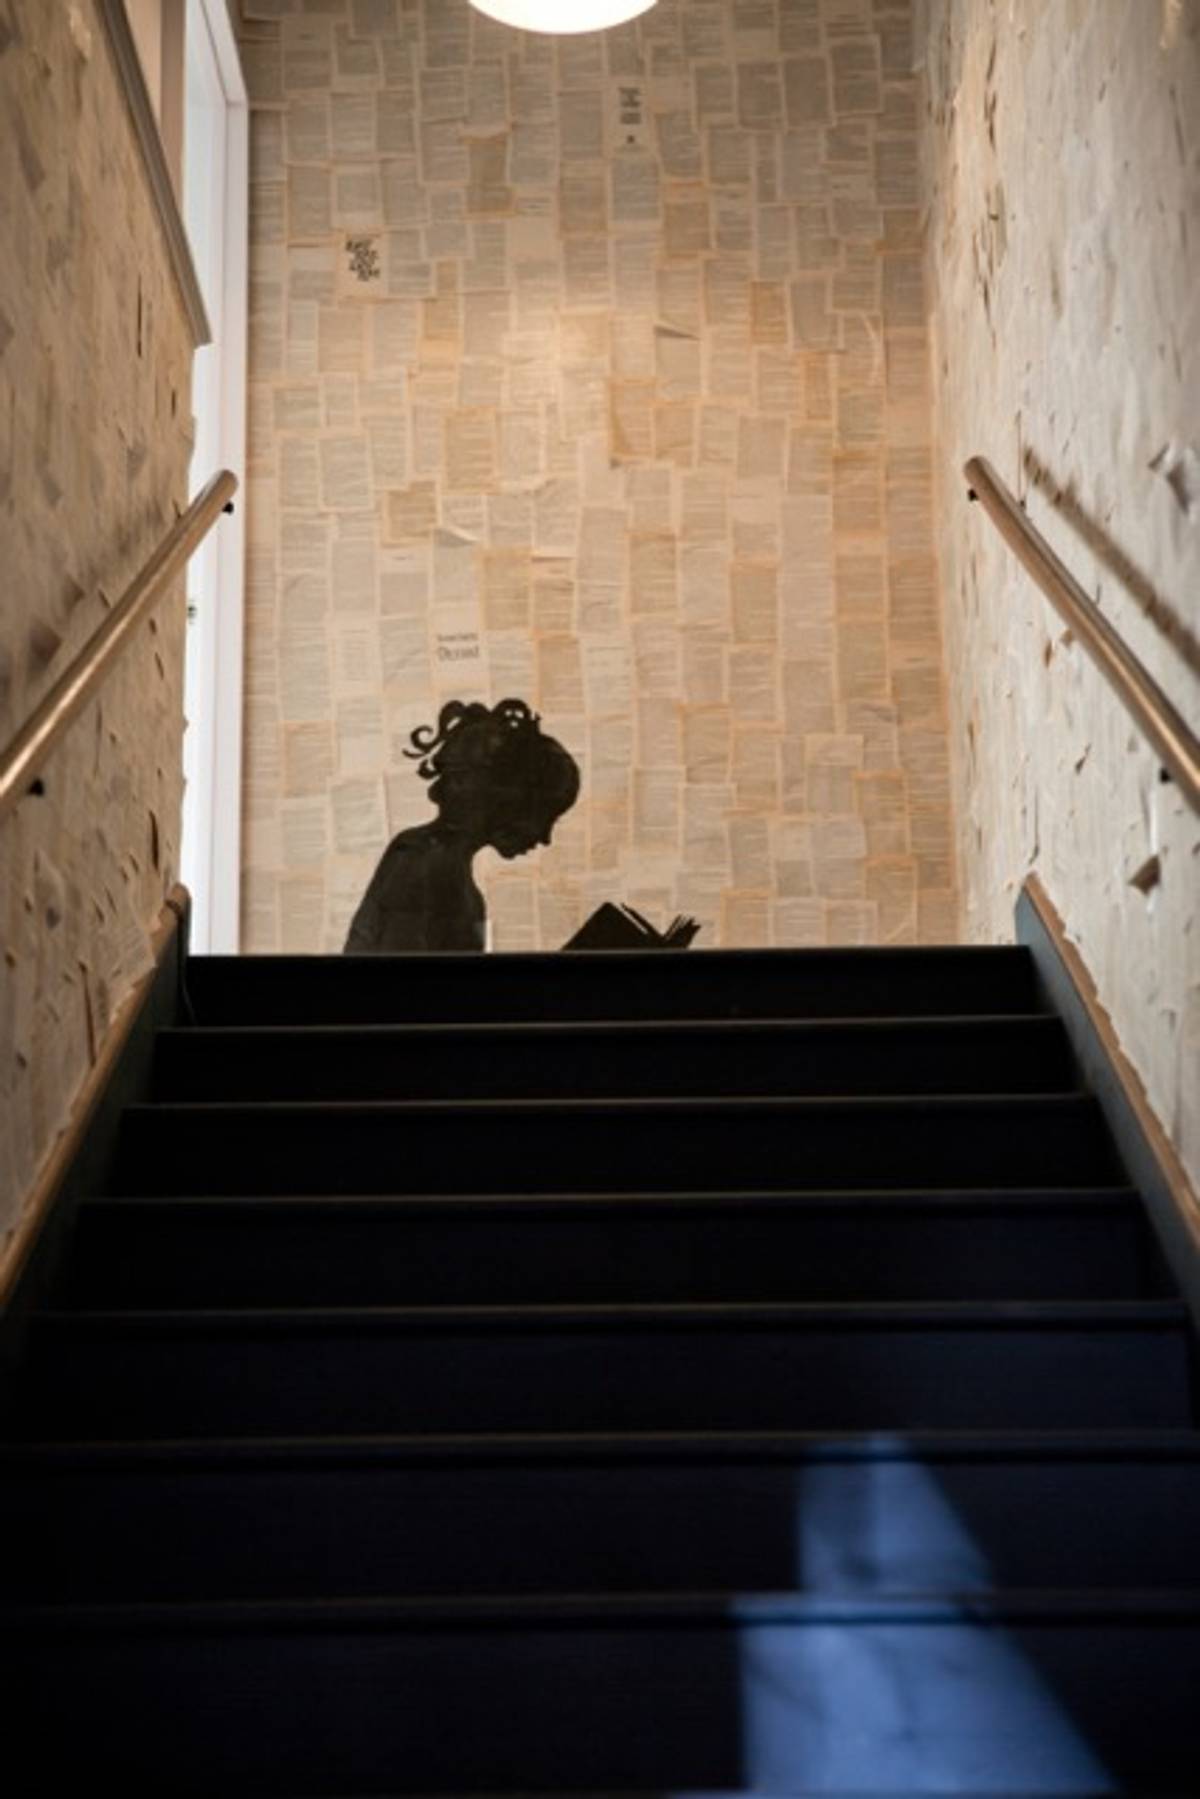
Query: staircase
x=648, y=1373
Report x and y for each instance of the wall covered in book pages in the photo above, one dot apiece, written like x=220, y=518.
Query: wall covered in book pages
x=592, y=372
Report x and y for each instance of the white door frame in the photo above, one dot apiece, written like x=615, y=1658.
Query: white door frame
x=211, y=847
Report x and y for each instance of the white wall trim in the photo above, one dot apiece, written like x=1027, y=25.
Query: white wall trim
x=226, y=829
x=213, y=849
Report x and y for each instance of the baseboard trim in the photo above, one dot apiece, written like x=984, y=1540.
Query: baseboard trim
x=1147, y=1151
x=80, y=1158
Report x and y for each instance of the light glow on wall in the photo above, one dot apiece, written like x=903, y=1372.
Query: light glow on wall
x=560, y=17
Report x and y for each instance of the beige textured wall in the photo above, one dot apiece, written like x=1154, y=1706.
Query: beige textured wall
x=146, y=23
x=594, y=371
x=1063, y=161
x=94, y=422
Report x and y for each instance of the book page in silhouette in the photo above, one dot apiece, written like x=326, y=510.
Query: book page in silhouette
x=620, y=927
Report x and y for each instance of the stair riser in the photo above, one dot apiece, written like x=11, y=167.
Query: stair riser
x=458, y=989
x=821, y=1145
x=281, y=1382
x=1025, y=1057
x=820, y=1709
x=824, y=1527
x=165, y=1255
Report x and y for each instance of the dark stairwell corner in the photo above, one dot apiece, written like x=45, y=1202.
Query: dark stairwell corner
x=648, y=1374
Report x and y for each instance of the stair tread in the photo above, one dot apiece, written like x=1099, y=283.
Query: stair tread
x=523, y=1611
x=770, y=1790
x=753, y=1105
x=650, y=1448
x=1033, y=1199
x=958, y=1022
x=995, y=1314
x=640, y=958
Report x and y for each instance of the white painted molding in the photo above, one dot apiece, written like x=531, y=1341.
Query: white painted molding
x=162, y=190
x=212, y=857
x=226, y=822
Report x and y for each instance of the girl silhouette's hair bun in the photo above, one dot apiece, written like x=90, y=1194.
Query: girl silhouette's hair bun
x=476, y=753
x=479, y=731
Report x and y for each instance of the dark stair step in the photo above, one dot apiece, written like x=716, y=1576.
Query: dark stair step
x=168, y=1252
x=598, y=1146
x=827, y=983
x=337, y=1519
x=1070, y=1693
x=606, y=1060
x=868, y=1367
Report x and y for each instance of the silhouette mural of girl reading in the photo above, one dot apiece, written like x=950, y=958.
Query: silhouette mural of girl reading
x=496, y=781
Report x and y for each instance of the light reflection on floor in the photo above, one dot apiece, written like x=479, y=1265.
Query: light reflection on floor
x=876, y=1707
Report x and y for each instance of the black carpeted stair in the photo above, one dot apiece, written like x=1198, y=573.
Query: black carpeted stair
x=639, y=1374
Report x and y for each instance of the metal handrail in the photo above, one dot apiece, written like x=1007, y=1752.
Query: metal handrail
x=78, y=683
x=1177, y=745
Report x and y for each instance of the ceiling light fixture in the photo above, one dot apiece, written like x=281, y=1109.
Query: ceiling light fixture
x=559, y=17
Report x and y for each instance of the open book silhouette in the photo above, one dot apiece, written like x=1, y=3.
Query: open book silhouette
x=620, y=927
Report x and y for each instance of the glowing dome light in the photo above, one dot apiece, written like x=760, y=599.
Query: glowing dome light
x=559, y=17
